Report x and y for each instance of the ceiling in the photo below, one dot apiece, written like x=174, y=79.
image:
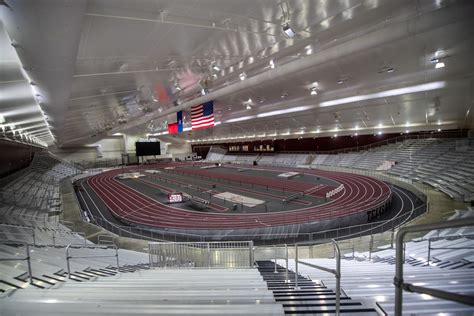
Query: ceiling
x=101, y=67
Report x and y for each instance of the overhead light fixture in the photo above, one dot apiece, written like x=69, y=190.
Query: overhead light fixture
x=203, y=91
x=239, y=119
x=390, y=69
x=284, y=95
x=2, y=119
x=309, y=50
x=314, y=91
x=215, y=67
x=289, y=32
x=439, y=129
x=380, y=133
x=272, y=64
x=388, y=93
x=248, y=107
x=439, y=64
x=242, y=76
x=285, y=111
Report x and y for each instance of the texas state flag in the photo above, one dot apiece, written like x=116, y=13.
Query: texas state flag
x=177, y=126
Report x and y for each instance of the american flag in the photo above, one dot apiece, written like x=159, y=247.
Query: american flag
x=202, y=115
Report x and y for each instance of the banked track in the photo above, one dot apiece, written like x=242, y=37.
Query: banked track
x=361, y=194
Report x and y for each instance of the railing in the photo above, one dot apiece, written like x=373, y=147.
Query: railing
x=336, y=272
x=227, y=254
x=428, y=260
x=398, y=281
x=14, y=234
x=268, y=253
x=336, y=233
x=105, y=239
x=100, y=163
x=27, y=257
x=69, y=257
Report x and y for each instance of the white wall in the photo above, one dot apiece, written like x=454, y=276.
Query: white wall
x=108, y=148
x=113, y=147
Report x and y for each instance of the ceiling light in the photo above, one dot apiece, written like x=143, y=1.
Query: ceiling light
x=439, y=129
x=388, y=93
x=355, y=134
x=272, y=64
x=407, y=124
x=439, y=52
x=380, y=133
x=2, y=119
x=407, y=131
x=216, y=68
x=248, y=107
x=313, y=91
x=309, y=50
x=242, y=76
x=289, y=32
x=249, y=100
x=335, y=135
x=203, y=91
x=380, y=125
x=239, y=119
x=284, y=95
x=390, y=69
x=285, y=111
x=439, y=64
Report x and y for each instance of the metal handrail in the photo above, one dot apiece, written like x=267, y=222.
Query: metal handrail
x=33, y=235
x=398, y=281
x=103, y=238
x=68, y=257
x=27, y=257
x=336, y=272
x=447, y=248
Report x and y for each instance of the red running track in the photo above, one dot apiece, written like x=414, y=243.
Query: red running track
x=361, y=194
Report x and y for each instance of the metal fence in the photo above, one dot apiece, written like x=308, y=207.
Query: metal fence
x=230, y=254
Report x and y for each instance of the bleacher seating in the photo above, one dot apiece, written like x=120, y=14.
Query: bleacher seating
x=35, y=188
x=441, y=163
x=146, y=292
x=450, y=269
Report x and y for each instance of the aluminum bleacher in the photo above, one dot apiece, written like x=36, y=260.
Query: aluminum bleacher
x=146, y=292
x=440, y=259
x=444, y=164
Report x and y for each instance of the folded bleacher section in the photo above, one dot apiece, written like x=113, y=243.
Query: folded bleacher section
x=34, y=191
